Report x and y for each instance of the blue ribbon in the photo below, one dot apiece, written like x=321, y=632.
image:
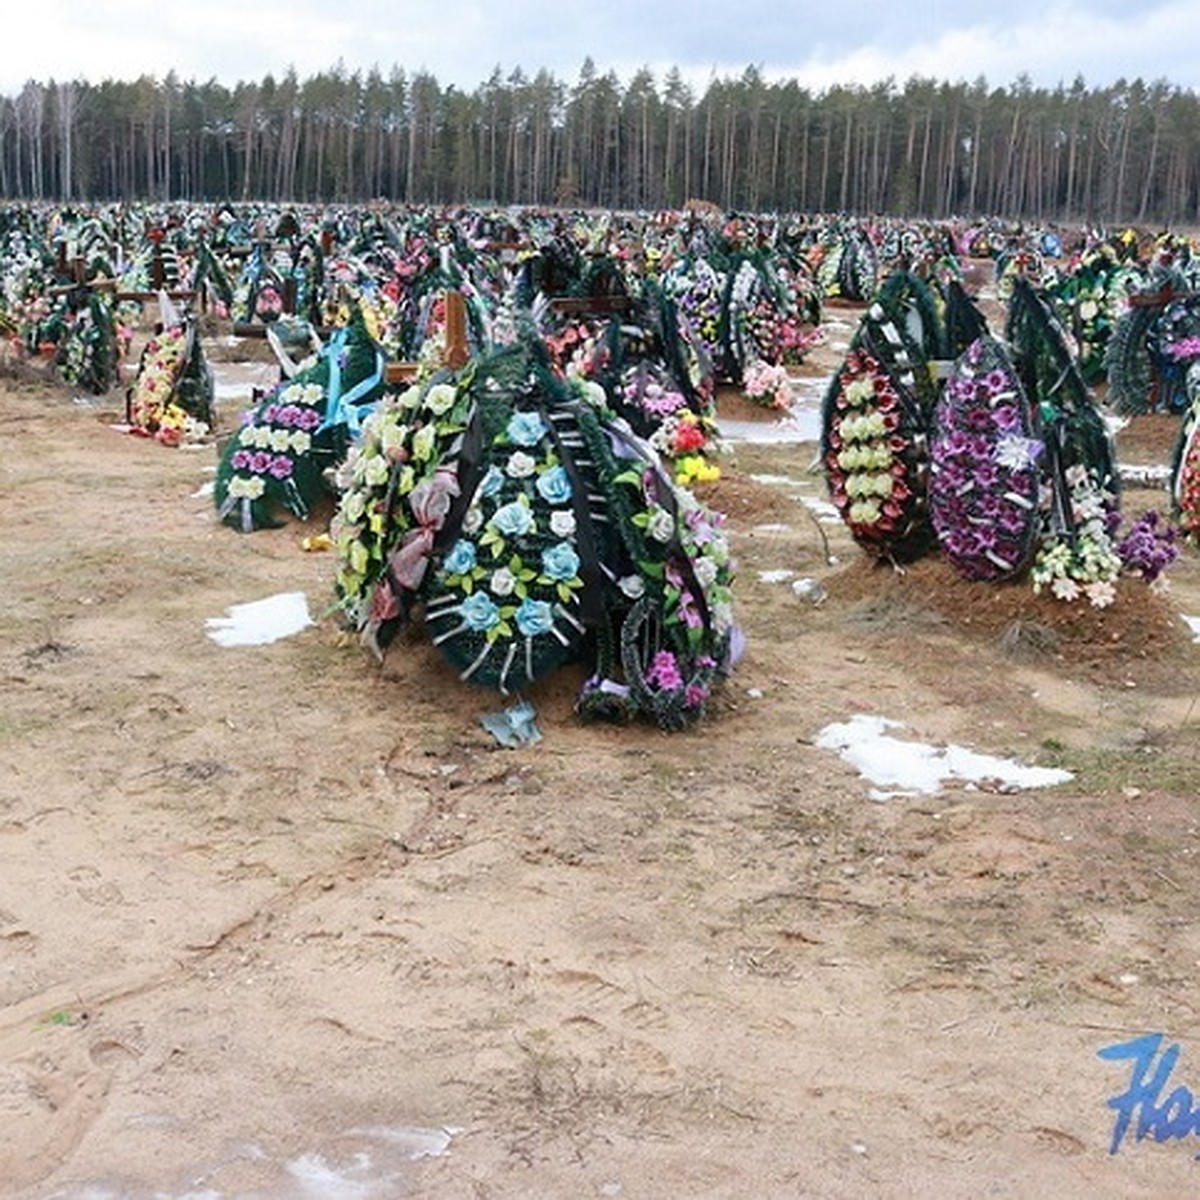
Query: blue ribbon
x=341, y=408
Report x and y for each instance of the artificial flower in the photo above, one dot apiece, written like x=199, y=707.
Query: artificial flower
x=534, y=617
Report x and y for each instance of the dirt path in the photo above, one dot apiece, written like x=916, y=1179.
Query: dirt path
x=277, y=923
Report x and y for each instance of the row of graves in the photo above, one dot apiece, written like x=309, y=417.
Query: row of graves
x=987, y=446
x=510, y=417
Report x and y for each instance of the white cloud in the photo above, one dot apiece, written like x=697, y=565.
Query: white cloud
x=1050, y=47
x=462, y=41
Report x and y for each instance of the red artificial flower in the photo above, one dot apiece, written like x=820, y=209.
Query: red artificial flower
x=687, y=438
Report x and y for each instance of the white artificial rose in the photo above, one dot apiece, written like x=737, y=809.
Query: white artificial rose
x=661, y=526
x=562, y=523
x=521, y=465
x=440, y=398
x=503, y=581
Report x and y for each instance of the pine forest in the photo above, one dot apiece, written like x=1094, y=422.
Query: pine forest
x=1125, y=152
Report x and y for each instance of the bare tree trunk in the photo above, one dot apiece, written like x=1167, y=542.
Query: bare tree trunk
x=1151, y=166
x=66, y=110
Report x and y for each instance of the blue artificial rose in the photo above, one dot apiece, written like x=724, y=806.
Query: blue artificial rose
x=560, y=562
x=461, y=558
x=478, y=612
x=513, y=519
x=554, y=485
x=534, y=617
x=492, y=482
x=526, y=428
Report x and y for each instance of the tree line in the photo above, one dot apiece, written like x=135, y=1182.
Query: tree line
x=1129, y=152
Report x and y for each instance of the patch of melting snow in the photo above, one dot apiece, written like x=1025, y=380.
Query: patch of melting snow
x=370, y=1173
x=412, y=1142
x=1148, y=476
x=811, y=590
x=914, y=768
x=812, y=385
x=237, y=380
x=261, y=621
x=1193, y=623
x=822, y=509
x=800, y=425
x=776, y=576
x=324, y=1181
x=102, y=1191
x=777, y=480
x=360, y=1164
x=204, y=490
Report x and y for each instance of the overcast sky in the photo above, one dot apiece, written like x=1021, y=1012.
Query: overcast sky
x=462, y=42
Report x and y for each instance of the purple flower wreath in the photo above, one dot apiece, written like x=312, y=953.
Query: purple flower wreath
x=984, y=467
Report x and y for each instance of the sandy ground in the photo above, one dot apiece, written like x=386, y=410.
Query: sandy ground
x=275, y=922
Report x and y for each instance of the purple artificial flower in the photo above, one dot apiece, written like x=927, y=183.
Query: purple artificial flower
x=987, y=474
x=1011, y=520
x=664, y=672
x=1007, y=418
x=1149, y=547
x=951, y=478
x=989, y=507
x=958, y=443
x=1008, y=552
